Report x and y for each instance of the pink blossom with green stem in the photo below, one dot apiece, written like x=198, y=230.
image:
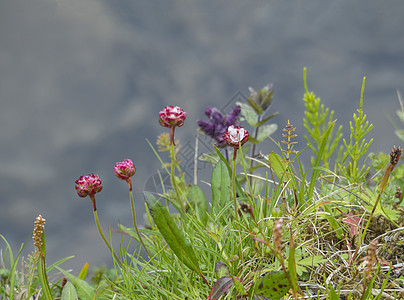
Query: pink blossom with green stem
x=171, y=117
x=235, y=136
x=124, y=170
x=89, y=185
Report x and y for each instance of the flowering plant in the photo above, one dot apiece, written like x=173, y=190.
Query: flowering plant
x=218, y=123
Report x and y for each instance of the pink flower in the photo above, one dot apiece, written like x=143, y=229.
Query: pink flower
x=125, y=169
x=172, y=116
x=88, y=185
x=235, y=135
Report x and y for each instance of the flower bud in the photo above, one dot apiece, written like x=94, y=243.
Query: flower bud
x=235, y=135
x=172, y=116
x=88, y=185
x=125, y=169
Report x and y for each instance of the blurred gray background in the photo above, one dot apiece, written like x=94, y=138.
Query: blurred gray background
x=82, y=82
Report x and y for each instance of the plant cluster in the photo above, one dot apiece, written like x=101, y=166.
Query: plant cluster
x=266, y=226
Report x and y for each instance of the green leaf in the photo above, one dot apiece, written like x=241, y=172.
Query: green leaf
x=265, y=131
x=221, y=269
x=316, y=170
x=251, y=117
x=211, y=158
x=279, y=166
x=69, y=292
x=312, y=261
x=292, y=263
x=274, y=285
x=238, y=285
x=263, y=121
x=239, y=190
x=221, y=286
x=199, y=203
x=171, y=233
x=220, y=184
x=370, y=198
x=84, y=271
x=41, y=269
x=83, y=289
x=254, y=105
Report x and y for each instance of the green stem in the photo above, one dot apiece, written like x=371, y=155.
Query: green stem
x=234, y=184
x=103, y=237
x=173, y=182
x=43, y=277
x=134, y=220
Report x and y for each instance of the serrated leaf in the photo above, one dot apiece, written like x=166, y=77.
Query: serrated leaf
x=274, y=285
x=220, y=184
x=221, y=286
x=265, y=131
x=83, y=289
x=251, y=117
x=171, y=233
x=199, y=203
x=69, y=292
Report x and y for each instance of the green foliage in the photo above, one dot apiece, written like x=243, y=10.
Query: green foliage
x=171, y=233
x=221, y=186
x=69, y=292
x=317, y=121
x=273, y=285
x=357, y=146
x=270, y=229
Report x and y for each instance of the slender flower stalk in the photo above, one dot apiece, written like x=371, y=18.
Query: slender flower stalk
x=89, y=185
x=39, y=242
x=394, y=158
x=171, y=117
x=173, y=182
x=125, y=170
x=235, y=136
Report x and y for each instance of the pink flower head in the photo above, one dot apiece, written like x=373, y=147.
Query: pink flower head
x=235, y=135
x=172, y=116
x=125, y=169
x=88, y=185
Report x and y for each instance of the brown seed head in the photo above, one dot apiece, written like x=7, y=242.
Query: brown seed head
x=395, y=155
x=370, y=259
x=38, y=230
x=278, y=236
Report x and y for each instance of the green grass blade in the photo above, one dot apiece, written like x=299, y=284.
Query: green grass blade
x=314, y=175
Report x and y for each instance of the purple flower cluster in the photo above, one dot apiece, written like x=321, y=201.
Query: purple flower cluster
x=218, y=123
